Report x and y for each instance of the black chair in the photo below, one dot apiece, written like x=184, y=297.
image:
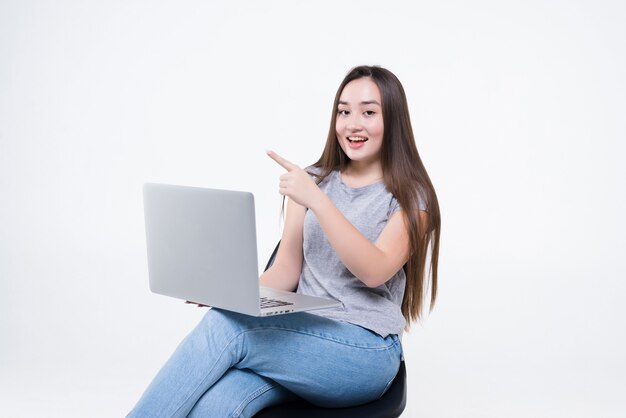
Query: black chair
x=390, y=405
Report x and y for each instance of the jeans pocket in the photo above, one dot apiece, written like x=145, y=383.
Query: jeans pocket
x=390, y=383
x=387, y=387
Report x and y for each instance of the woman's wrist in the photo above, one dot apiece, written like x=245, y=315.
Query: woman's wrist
x=320, y=202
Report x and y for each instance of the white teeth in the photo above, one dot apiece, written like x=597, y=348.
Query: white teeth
x=356, y=139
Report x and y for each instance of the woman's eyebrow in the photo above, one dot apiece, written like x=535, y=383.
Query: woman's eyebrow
x=364, y=102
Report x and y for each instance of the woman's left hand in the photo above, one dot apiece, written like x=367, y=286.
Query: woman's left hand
x=296, y=183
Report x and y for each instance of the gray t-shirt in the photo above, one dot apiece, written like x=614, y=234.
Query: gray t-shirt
x=368, y=208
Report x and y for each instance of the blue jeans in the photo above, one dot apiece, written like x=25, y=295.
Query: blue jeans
x=234, y=365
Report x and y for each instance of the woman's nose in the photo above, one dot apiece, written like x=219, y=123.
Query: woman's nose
x=354, y=124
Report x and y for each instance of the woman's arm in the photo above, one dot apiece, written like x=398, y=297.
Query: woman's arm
x=372, y=263
x=285, y=272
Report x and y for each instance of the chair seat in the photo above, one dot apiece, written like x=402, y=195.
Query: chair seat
x=390, y=405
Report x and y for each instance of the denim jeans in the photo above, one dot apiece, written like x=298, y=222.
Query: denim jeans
x=234, y=365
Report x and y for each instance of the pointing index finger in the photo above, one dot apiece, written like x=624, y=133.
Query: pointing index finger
x=287, y=165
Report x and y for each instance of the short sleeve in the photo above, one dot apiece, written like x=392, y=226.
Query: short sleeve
x=394, y=205
x=421, y=202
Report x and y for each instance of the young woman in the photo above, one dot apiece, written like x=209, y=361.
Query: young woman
x=358, y=228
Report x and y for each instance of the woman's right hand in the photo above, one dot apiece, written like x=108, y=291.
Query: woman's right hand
x=296, y=183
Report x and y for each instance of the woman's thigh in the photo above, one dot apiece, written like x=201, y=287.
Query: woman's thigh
x=238, y=394
x=327, y=362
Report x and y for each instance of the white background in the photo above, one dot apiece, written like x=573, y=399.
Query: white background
x=519, y=112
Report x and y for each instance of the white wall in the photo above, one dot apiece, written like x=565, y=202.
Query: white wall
x=518, y=109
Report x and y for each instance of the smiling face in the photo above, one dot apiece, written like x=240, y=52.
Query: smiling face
x=359, y=124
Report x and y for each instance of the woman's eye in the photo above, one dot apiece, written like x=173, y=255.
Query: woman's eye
x=369, y=113
x=343, y=112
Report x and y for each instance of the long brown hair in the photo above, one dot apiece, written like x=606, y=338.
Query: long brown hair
x=406, y=179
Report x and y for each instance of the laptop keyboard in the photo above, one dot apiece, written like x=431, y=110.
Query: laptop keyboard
x=272, y=303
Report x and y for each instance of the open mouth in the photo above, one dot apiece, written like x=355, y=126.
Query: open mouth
x=356, y=139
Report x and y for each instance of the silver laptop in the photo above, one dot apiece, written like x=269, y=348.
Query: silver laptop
x=202, y=248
